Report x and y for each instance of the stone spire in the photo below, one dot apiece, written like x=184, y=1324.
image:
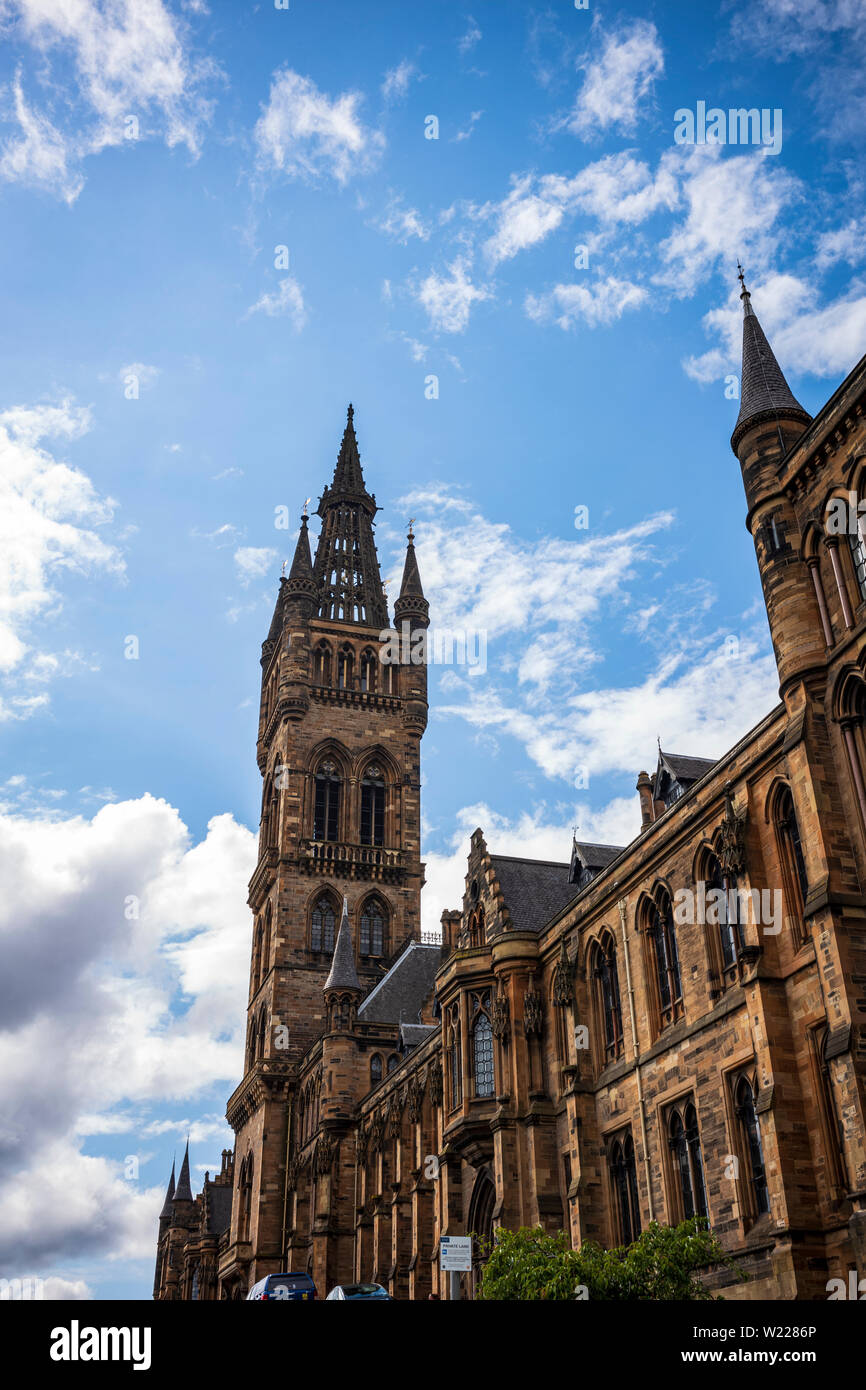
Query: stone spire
x=165, y=1214
x=301, y=580
x=183, y=1191
x=343, y=973
x=411, y=601
x=346, y=570
x=764, y=392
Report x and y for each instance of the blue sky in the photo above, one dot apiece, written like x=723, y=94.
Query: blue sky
x=169, y=382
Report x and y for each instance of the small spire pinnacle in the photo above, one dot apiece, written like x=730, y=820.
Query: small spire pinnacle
x=183, y=1191
x=343, y=974
x=744, y=293
x=169, y=1196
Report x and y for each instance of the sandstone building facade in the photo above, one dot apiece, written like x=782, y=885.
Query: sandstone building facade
x=669, y=1028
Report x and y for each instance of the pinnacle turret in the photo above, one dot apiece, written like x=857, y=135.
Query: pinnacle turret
x=183, y=1191
x=411, y=601
x=764, y=392
x=346, y=570
x=165, y=1214
x=343, y=973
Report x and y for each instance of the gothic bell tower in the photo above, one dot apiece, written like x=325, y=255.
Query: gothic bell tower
x=339, y=736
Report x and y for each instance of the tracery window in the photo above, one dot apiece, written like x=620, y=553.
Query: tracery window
x=796, y=884
x=375, y=1069
x=345, y=663
x=685, y=1145
x=373, y=806
x=607, y=1000
x=326, y=818
x=623, y=1172
x=368, y=671
x=322, y=664
x=858, y=556
x=753, y=1155
x=373, y=918
x=482, y=1045
x=663, y=947
x=455, y=1057
x=323, y=925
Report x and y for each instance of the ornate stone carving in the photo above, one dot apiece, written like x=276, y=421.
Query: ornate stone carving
x=563, y=989
x=533, y=1013
x=500, y=1016
x=395, y=1116
x=362, y=1142
x=732, y=840
x=324, y=1156
x=377, y=1132
x=435, y=1080
x=416, y=1097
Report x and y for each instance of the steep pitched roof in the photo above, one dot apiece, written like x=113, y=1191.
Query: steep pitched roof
x=399, y=996
x=534, y=889
x=597, y=856
x=183, y=1192
x=169, y=1195
x=763, y=388
x=343, y=974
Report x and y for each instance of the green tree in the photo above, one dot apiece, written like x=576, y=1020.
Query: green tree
x=661, y=1264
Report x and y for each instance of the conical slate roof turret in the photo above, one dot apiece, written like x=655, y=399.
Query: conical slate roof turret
x=169, y=1196
x=301, y=580
x=411, y=600
x=764, y=392
x=183, y=1192
x=343, y=973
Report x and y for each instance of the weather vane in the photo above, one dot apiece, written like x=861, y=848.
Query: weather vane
x=306, y=505
x=283, y=568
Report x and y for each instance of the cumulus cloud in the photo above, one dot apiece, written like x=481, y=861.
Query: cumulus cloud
x=617, y=83
x=303, y=133
x=448, y=297
x=128, y=950
x=286, y=301
x=50, y=521
x=397, y=80
x=401, y=223
x=603, y=302
x=252, y=562
x=126, y=61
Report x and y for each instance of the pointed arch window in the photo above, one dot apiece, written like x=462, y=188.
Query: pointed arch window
x=795, y=882
x=345, y=666
x=373, y=918
x=482, y=1050
x=375, y=1069
x=754, y=1150
x=323, y=924
x=455, y=1056
x=608, y=1006
x=724, y=935
x=373, y=806
x=322, y=665
x=623, y=1174
x=368, y=671
x=858, y=557
x=326, y=818
x=393, y=1062
x=685, y=1145
x=663, y=946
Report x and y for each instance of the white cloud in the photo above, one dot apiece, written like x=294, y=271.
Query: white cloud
x=616, y=83
x=123, y=1001
x=127, y=60
x=402, y=223
x=287, y=301
x=805, y=336
x=448, y=298
x=470, y=37
x=397, y=81
x=602, y=302
x=252, y=562
x=50, y=518
x=304, y=133
x=846, y=243
x=466, y=132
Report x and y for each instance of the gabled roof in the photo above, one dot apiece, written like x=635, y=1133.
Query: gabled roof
x=399, y=996
x=534, y=889
x=682, y=769
x=411, y=1034
x=597, y=856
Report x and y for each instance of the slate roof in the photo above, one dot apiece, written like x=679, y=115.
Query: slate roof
x=411, y=1034
x=687, y=769
x=762, y=382
x=399, y=995
x=597, y=857
x=534, y=889
x=219, y=1207
x=343, y=973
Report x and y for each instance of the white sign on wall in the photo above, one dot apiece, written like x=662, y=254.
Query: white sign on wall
x=455, y=1252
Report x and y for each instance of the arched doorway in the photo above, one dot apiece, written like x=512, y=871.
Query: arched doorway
x=481, y=1209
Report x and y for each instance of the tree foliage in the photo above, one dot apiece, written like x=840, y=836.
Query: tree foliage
x=660, y=1265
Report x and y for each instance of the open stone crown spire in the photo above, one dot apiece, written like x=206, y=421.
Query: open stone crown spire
x=346, y=568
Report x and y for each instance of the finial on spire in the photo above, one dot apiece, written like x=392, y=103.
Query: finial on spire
x=350, y=413
x=411, y=535
x=305, y=511
x=283, y=569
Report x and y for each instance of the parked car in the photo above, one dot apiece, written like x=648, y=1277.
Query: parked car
x=354, y=1292
x=299, y=1287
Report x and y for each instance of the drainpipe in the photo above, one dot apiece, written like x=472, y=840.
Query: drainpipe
x=289, y=1104
x=636, y=1047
